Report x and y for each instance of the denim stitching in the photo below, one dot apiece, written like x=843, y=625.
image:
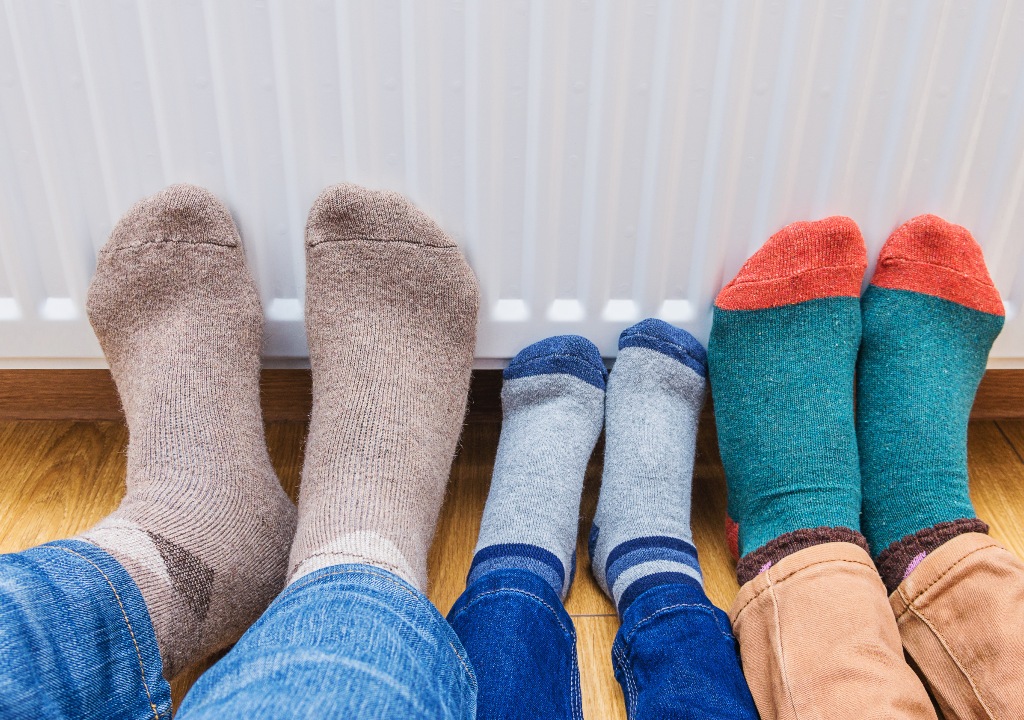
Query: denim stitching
x=124, y=614
x=627, y=672
x=577, y=700
x=466, y=666
x=520, y=592
x=652, y=616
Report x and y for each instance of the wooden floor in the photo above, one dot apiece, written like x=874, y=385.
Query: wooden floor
x=57, y=478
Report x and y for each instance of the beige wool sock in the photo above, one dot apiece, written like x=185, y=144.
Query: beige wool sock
x=391, y=320
x=204, y=528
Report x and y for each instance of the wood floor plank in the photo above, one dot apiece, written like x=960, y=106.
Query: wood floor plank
x=59, y=477
x=997, y=479
x=602, y=696
x=708, y=520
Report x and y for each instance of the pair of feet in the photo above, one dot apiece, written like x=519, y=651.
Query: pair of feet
x=793, y=344
x=205, y=529
x=556, y=398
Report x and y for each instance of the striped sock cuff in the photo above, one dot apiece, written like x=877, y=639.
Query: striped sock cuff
x=637, y=565
x=521, y=556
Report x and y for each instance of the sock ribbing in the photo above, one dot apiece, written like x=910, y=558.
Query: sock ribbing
x=930, y=317
x=204, y=526
x=782, y=352
x=641, y=537
x=553, y=405
x=391, y=310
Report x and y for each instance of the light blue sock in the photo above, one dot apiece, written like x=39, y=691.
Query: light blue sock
x=553, y=405
x=641, y=536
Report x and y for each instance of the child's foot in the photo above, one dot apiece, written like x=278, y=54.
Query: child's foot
x=553, y=405
x=641, y=535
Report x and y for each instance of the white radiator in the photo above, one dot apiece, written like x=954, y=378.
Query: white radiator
x=600, y=161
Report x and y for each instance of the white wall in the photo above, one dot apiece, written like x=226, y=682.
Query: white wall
x=599, y=160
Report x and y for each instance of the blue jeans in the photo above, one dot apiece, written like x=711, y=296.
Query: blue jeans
x=350, y=641
x=674, y=655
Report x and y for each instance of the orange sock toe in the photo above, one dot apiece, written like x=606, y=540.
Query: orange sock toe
x=934, y=257
x=803, y=261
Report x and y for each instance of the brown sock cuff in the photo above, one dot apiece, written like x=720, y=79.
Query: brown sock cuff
x=753, y=564
x=899, y=559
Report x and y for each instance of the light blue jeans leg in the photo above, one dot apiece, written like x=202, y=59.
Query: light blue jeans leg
x=75, y=639
x=348, y=641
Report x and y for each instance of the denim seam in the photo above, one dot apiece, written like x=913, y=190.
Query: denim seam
x=655, y=614
x=520, y=592
x=799, y=570
x=627, y=672
x=127, y=622
x=574, y=688
x=466, y=666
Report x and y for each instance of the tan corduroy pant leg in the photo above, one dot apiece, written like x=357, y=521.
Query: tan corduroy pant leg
x=818, y=640
x=961, y=617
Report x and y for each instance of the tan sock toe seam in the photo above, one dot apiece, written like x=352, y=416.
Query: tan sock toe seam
x=388, y=240
x=176, y=243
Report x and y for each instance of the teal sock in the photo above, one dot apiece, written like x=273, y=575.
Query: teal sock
x=782, y=353
x=930, y=317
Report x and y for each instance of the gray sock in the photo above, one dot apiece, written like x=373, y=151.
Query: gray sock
x=641, y=535
x=553, y=404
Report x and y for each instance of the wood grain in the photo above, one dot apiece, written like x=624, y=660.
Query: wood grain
x=286, y=395
x=59, y=477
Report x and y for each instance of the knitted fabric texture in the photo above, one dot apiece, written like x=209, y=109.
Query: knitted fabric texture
x=930, y=317
x=641, y=536
x=204, y=526
x=782, y=351
x=896, y=562
x=553, y=405
x=391, y=310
